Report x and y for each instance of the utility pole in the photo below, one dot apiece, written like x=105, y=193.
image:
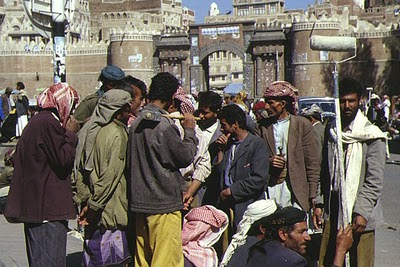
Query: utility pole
x=48, y=17
x=58, y=34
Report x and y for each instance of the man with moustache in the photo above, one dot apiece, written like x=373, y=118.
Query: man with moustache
x=286, y=241
x=294, y=165
x=364, y=157
x=242, y=162
x=209, y=105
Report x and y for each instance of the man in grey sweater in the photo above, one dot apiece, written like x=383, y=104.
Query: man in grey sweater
x=155, y=154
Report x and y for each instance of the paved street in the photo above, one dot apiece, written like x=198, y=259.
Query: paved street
x=12, y=245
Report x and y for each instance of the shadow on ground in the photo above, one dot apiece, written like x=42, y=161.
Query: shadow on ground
x=74, y=259
x=394, y=146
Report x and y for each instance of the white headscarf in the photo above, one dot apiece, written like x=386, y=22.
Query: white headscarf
x=362, y=130
x=255, y=211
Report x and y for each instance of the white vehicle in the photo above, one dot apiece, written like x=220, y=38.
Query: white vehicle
x=327, y=104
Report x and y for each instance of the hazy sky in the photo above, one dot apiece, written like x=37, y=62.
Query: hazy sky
x=203, y=6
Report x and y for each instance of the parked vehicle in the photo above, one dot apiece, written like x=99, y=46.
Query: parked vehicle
x=327, y=104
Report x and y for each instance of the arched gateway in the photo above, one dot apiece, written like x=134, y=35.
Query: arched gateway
x=260, y=48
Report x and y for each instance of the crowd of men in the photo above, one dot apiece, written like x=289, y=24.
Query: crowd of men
x=156, y=182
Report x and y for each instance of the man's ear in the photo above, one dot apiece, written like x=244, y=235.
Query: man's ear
x=282, y=234
x=283, y=103
x=262, y=229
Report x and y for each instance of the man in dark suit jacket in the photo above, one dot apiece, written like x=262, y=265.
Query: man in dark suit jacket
x=242, y=163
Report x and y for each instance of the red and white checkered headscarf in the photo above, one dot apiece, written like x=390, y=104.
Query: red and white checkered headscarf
x=60, y=96
x=202, y=227
x=282, y=89
x=186, y=102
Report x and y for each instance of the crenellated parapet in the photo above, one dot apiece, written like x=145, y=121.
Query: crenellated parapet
x=23, y=48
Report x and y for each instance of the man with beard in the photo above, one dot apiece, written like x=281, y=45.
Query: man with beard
x=354, y=196
x=294, y=164
x=286, y=241
x=209, y=105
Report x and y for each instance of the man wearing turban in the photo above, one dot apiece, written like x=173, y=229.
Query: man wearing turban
x=294, y=162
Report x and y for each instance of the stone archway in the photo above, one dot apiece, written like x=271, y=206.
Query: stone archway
x=206, y=39
x=222, y=46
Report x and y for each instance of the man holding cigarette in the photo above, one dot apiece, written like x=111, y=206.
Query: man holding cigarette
x=156, y=152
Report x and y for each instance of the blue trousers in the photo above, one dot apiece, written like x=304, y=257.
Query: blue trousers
x=46, y=243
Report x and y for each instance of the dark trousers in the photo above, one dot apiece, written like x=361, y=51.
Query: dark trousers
x=46, y=243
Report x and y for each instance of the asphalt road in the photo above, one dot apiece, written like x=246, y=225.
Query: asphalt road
x=388, y=235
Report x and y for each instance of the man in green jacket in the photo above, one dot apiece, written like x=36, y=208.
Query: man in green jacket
x=101, y=158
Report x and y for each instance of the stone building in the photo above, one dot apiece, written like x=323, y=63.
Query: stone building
x=258, y=43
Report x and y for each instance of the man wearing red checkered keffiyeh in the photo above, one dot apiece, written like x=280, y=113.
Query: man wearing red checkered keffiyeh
x=61, y=97
x=186, y=105
x=202, y=227
x=43, y=160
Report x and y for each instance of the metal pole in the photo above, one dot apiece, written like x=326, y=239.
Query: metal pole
x=57, y=9
x=342, y=196
x=277, y=65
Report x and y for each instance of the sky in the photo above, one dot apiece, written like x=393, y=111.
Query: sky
x=201, y=7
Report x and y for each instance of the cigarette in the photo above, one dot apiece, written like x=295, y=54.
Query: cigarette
x=178, y=117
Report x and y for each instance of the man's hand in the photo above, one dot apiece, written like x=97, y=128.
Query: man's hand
x=359, y=223
x=86, y=216
x=344, y=241
x=222, y=140
x=188, y=121
x=225, y=194
x=187, y=200
x=317, y=218
x=72, y=125
x=344, y=238
x=277, y=161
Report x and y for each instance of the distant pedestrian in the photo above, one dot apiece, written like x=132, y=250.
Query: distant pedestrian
x=22, y=106
x=40, y=193
x=386, y=107
x=6, y=102
x=259, y=111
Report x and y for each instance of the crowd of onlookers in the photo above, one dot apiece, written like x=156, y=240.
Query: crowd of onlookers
x=158, y=178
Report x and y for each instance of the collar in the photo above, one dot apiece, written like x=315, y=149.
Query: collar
x=212, y=128
x=284, y=120
x=316, y=123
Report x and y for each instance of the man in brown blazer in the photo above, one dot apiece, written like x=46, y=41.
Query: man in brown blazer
x=294, y=162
